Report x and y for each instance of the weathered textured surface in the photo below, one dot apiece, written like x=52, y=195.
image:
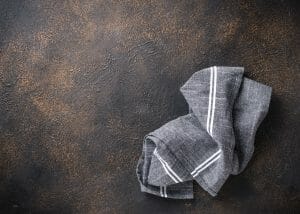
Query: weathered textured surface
x=81, y=83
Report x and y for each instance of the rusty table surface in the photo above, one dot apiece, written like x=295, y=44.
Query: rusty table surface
x=81, y=83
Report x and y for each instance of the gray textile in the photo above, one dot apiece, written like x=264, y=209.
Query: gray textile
x=214, y=140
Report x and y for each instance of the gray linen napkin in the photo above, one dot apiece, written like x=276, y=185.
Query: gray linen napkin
x=214, y=140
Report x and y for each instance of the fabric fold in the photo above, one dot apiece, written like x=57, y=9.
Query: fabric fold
x=214, y=140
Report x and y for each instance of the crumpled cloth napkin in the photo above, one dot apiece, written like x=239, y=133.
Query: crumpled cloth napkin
x=214, y=140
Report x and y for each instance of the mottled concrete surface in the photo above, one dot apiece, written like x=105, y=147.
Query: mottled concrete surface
x=81, y=83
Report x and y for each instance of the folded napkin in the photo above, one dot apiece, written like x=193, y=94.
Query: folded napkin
x=214, y=140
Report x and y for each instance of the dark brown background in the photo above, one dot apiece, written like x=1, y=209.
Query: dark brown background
x=81, y=83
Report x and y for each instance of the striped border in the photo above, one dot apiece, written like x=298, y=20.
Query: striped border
x=163, y=191
x=167, y=168
x=211, y=100
x=206, y=163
